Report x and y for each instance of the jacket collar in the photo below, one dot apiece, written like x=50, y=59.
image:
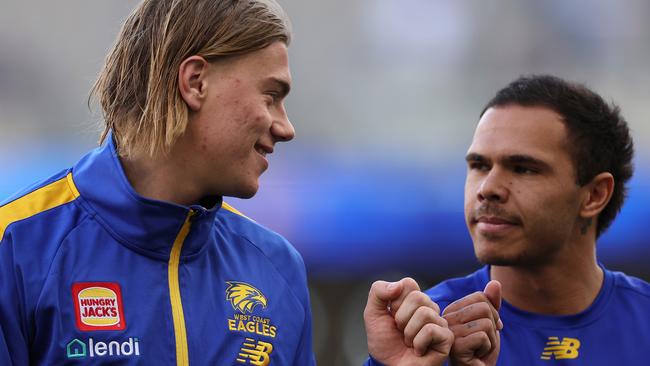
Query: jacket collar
x=145, y=225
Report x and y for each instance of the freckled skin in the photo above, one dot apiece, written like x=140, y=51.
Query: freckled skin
x=237, y=116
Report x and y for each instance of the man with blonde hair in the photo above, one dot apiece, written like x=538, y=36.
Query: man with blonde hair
x=131, y=256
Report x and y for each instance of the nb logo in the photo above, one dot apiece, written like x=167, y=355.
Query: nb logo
x=255, y=354
x=567, y=349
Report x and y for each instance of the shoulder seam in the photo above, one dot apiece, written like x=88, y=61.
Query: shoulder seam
x=228, y=207
x=49, y=268
x=30, y=189
x=625, y=286
x=47, y=197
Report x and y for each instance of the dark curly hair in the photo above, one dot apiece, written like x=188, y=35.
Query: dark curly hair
x=599, y=135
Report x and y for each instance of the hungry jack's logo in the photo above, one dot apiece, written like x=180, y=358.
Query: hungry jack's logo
x=244, y=297
x=98, y=306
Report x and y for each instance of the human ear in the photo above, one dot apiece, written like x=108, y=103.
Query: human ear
x=192, y=75
x=599, y=192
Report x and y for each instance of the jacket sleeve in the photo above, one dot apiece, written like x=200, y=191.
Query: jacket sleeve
x=14, y=349
x=305, y=353
x=372, y=362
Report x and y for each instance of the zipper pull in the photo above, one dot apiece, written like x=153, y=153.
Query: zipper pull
x=196, y=212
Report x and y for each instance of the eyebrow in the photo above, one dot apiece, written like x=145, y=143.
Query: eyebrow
x=284, y=86
x=526, y=159
x=475, y=157
x=510, y=160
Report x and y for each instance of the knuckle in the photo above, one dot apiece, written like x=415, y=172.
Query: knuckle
x=482, y=324
x=443, y=322
x=487, y=324
x=429, y=330
x=410, y=283
x=400, y=322
x=434, y=305
x=484, y=308
x=451, y=318
x=422, y=297
x=421, y=312
x=483, y=336
x=418, y=298
x=375, y=285
x=479, y=296
x=471, y=325
x=448, y=336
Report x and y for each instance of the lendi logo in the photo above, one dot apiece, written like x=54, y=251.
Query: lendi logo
x=77, y=348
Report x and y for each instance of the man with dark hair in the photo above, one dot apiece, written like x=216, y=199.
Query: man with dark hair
x=546, y=175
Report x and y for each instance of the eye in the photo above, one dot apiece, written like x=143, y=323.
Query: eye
x=519, y=169
x=478, y=165
x=272, y=96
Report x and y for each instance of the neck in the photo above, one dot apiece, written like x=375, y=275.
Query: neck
x=162, y=179
x=566, y=285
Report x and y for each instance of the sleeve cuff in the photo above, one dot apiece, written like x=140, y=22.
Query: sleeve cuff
x=372, y=362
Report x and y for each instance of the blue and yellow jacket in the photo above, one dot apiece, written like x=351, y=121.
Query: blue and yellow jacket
x=93, y=273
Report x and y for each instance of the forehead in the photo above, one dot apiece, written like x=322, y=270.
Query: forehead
x=271, y=61
x=516, y=130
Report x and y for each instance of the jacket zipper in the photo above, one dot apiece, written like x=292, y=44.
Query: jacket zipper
x=182, y=357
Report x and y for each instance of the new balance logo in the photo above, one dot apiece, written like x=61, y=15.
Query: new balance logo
x=566, y=349
x=255, y=354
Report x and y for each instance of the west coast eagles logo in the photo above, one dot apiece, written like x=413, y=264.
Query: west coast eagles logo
x=244, y=297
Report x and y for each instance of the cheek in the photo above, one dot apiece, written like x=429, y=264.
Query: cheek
x=470, y=194
x=241, y=127
x=255, y=117
x=469, y=203
x=557, y=212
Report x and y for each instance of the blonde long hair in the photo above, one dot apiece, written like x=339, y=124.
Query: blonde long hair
x=138, y=85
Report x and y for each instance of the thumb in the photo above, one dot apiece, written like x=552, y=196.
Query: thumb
x=381, y=294
x=493, y=293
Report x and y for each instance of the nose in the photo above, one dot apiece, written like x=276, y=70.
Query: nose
x=281, y=128
x=492, y=187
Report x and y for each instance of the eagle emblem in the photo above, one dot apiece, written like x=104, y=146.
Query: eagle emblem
x=244, y=297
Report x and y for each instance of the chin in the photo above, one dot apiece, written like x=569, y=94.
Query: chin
x=245, y=191
x=494, y=255
x=519, y=259
x=497, y=260
x=245, y=195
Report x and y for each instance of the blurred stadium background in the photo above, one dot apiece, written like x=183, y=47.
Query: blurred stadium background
x=385, y=99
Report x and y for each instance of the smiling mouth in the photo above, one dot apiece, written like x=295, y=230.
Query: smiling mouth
x=263, y=150
x=260, y=151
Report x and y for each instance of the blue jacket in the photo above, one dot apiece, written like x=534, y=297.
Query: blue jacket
x=93, y=273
